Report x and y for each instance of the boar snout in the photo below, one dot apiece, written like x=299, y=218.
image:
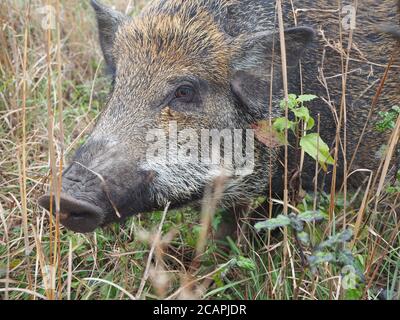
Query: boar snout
x=102, y=185
x=76, y=215
x=87, y=204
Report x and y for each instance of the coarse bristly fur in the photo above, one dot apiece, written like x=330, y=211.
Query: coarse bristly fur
x=225, y=49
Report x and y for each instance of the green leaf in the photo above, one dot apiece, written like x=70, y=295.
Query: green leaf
x=306, y=98
x=393, y=189
x=302, y=113
x=303, y=237
x=346, y=258
x=388, y=121
x=292, y=102
x=354, y=294
x=246, y=263
x=296, y=224
x=218, y=280
x=280, y=124
x=341, y=237
x=311, y=216
x=216, y=221
x=345, y=235
x=271, y=224
x=320, y=257
x=310, y=123
x=314, y=146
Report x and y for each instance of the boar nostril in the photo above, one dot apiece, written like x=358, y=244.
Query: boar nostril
x=77, y=215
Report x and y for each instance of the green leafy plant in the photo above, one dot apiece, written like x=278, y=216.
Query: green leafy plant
x=388, y=119
x=293, y=220
x=395, y=188
x=334, y=250
x=310, y=143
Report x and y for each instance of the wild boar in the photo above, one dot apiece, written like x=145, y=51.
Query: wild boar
x=182, y=67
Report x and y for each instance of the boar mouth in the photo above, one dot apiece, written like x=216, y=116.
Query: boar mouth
x=76, y=215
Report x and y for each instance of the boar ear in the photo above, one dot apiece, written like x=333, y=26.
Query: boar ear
x=108, y=21
x=260, y=49
x=253, y=93
x=252, y=65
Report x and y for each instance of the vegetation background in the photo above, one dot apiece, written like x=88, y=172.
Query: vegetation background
x=52, y=88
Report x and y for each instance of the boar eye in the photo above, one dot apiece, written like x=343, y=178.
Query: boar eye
x=185, y=93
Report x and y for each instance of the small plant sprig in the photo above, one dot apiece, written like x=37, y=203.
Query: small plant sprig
x=388, y=119
x=388, y=123
x=295, y=221
x=334, y=250
x=395, y=188
x=310, y=143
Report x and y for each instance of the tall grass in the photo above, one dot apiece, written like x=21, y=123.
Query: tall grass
x=52, y=90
